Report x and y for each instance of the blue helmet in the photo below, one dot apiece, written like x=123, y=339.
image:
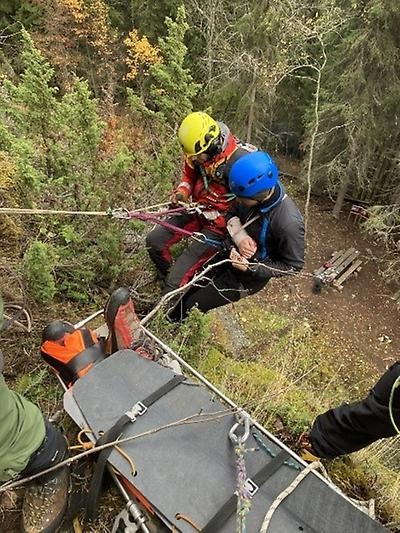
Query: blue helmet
x=253, y=174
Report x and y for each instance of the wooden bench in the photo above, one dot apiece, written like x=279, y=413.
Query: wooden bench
x=338, y=268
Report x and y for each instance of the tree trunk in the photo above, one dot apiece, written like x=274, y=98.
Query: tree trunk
x=253, y=92
x=340, y=197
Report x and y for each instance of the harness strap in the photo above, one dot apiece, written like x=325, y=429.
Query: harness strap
x=229, y=507
x=113, y=433
x=265, y=224
x=68, y=362
x=92, y=354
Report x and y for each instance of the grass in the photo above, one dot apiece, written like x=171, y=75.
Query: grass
x=284, y=373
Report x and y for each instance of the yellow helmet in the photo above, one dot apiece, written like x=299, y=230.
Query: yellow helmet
x=197, y=132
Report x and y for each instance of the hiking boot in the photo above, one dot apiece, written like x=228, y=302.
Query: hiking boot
x=122, y=321
x=45, y=503
x=307, y=452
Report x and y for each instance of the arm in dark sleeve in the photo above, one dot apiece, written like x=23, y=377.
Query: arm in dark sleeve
x=290, y=243
x=233, y=211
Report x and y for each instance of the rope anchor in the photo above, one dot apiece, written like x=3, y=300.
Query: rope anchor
x=242, y=488
x=242, y=419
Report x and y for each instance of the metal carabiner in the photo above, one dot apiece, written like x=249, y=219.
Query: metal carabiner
x=243, y=418
x=192, y=208
x=120, y=213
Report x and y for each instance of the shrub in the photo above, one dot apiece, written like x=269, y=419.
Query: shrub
x=39, y=262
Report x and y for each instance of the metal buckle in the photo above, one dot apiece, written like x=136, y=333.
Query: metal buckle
x=138, y=409
x=141, y=408
x=120, y=213
x=251, y=487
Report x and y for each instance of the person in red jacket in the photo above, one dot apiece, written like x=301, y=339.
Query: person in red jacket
x=209, y=149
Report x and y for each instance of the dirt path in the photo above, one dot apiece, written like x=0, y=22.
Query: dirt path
x=362, y=318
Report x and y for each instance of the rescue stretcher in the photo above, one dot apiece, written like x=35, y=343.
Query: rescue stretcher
x=191, y=446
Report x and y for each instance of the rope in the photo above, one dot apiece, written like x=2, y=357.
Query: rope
x=291, y=464
x=396, y=385
x=180, y=516
x=197, y=418
x=20, y=211
x=123, y=214
x=89, y=445
x=282, y=495
x=244, y=497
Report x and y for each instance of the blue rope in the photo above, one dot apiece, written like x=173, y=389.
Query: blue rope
x=264, y=228
x=272, y=454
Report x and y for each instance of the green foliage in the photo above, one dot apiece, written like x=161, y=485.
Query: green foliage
x=56, y=147
x=37, y=388
x=31, y=103
x=168, y=99
x=13, y=13
x=39, y=262
x=194, y=335
x=172, y=87
x=142, y=13
x=384, y=223
x=359, y=99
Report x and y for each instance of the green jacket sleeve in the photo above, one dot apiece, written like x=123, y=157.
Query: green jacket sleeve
x=22, y=431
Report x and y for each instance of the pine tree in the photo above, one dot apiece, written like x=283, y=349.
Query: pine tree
x=360, y=96
x=173, y=88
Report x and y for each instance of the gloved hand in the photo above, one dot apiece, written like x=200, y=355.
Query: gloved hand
x=178, y=196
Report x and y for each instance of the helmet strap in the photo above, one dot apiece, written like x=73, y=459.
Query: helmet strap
x=264, y=197
x=215, y=147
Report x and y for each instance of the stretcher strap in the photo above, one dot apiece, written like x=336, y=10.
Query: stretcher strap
x=229, y=507
x=111, y=435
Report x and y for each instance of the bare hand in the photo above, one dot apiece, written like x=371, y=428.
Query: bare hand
x=238, y=261
x=247, y=247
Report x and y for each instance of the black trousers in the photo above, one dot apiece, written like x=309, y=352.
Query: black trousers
x=52, y=451
x=220, y=288
x=349, y=428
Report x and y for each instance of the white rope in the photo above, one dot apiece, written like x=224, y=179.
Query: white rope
x=18, y=211
x=282, y=495
x=23, y=211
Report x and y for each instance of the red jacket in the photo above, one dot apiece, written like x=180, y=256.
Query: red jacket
x=207, y=184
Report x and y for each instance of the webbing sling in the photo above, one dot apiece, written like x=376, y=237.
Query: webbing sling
x=113, y=433
x=229, y=507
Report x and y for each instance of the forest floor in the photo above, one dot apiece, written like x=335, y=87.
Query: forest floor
x=362, y=319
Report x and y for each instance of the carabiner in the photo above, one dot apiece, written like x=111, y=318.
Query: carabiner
x=243, y=418
x=121, y=213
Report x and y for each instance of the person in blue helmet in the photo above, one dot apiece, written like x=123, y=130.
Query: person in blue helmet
x=267, y=233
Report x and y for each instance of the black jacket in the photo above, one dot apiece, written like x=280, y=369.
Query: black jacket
x=284, y=238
